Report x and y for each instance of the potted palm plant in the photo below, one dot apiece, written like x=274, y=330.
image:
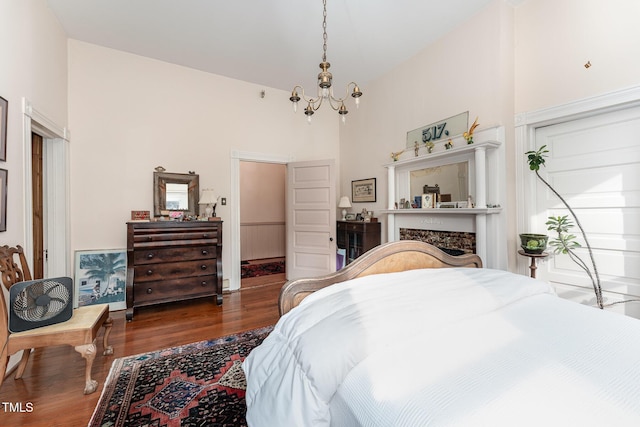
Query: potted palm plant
x=565, y=242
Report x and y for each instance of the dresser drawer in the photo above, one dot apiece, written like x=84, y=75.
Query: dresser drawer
x=351, y=226
x=173, y=270
x=146, y=293
x=168, y=231
x=152, y=240
x=154, y=256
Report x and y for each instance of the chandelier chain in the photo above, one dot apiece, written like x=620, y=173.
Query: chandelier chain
x=324, y=31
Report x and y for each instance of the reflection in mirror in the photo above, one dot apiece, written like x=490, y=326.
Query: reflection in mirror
x=452, y=179
x=175, y=192
x=177, y=197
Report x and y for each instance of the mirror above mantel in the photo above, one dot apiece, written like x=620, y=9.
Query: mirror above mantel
x=451, y=179
x=175, y=192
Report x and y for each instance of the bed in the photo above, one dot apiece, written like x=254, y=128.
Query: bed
x=410, y=336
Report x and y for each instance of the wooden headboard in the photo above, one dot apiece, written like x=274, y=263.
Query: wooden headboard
x=387, y=258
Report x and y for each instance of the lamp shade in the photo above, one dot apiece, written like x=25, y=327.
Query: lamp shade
x=208, y=197
x=344, y=202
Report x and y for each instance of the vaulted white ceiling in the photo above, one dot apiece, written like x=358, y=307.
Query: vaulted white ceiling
x=276, y=43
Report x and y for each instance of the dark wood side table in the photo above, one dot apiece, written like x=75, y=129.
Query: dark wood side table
x=533, y=267
x=357, y=237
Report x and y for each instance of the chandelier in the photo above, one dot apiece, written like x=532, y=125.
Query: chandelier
x=325, y=90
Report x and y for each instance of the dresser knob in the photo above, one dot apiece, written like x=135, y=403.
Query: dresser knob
x=205, y=236
x=149, y=256
x=149, y=239
x=203, y=283
x=205, y=252
x=149, y=272
x=149, y=290
x=203, y=267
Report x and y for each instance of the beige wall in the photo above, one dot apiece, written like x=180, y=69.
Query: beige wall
x=262, y=210
x=554, y=39
x=33, y=66
x=262, y=192
x=469, y=69
x=129, y=114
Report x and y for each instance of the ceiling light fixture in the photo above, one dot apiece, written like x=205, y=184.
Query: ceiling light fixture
x=325, y=90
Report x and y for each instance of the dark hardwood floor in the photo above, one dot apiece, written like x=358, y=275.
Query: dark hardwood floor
x=50, y=391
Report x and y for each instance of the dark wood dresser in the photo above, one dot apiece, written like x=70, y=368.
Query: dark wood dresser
x=171, y=261
x=357, y=237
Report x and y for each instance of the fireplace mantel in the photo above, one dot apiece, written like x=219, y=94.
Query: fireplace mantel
x=487, y=187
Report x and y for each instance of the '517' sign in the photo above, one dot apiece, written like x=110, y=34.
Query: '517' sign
x=434, y=133
x=443, y=129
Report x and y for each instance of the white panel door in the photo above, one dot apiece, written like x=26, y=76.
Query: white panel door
x=311, y=219
x=594, y=163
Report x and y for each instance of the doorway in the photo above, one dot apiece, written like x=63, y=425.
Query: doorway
x=51, y=206
x=326, y=209
x=262, y=223
x=37, y=269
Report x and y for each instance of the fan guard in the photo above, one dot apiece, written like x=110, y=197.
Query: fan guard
x=37, y=303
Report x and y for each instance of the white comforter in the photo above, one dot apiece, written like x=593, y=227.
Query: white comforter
x=468, y=347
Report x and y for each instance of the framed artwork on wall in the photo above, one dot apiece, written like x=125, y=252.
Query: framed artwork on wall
x=363, y=190
x=4, y=116
x=3, y=199
x=100, y=277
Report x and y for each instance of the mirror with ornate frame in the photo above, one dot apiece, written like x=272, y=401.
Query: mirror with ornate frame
x=175, y=192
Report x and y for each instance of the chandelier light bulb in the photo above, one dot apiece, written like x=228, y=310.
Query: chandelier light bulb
x=343, y=113
x=294, y=99
x=309, y=112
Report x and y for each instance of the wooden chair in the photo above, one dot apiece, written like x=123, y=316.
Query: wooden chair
x=80, y=331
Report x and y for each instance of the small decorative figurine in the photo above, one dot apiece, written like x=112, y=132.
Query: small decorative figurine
x=449, y=144
x=429, y=145
x=469, y=135
x=416, y=147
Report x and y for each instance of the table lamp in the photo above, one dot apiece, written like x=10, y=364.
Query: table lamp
x=209, y=198
x=344, y=204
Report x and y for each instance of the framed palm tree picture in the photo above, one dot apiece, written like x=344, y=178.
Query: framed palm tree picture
x=100, y=277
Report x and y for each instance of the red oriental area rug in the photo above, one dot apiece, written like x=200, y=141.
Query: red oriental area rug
x=199, y=384
x=261, y=269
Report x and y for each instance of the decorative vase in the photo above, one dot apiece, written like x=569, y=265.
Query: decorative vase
x=533, y=243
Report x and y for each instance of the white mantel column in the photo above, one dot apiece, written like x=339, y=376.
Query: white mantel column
x=480, y=198
x=481, y=237
x=391, y=194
